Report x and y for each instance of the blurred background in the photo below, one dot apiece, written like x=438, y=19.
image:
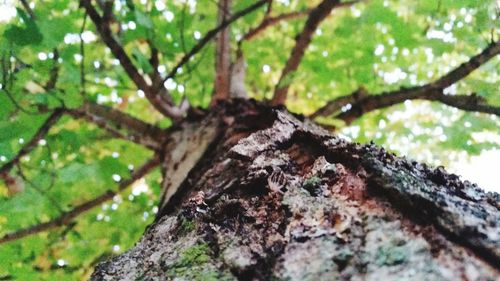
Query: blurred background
x=380, y=45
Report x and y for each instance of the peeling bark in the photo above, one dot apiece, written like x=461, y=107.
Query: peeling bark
x=238, y=73
x=275, y=197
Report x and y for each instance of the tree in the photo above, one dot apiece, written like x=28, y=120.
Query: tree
x=242, y=188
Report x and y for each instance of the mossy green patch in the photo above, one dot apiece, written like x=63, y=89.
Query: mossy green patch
x=311, y=182
x=391, y=255
x=186, y=226
x=196, y=255
x=191, y=263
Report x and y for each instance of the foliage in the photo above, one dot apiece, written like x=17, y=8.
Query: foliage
x=380, y=45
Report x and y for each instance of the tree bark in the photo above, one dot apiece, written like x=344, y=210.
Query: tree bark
x=274, y=197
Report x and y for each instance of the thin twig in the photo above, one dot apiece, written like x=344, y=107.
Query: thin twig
x=270, y=21
x=209, y=36
x=114, y=121
x=82, y=53
x=16, y=104
x=28, y=9
x=38, y=189
x=67, y=217
x=32, y=143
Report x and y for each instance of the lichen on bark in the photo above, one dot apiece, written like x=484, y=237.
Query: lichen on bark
x=275, y=197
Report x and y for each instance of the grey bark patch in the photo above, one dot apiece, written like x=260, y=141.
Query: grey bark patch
x=344, y=212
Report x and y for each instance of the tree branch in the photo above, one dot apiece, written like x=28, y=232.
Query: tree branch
x=269, y=9
x=160, y=102
x=40, y=190
x=68, y=216
x=222, y=55
x=154, y=60
x=82, y=53
x=31, y=144
x=210, y=35
x=117, y=50
x=336, y=105
x=28, y=9
x=469, y=103
x=316, y=16
x=139, y=131
x=363, y=103
x=113, y=121
x=270, y=21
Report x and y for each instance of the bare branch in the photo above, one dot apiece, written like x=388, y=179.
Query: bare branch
x=270, y=21
x=28, y=9
x=336, y=105
x=269, y=9
x=139, y=131
x=222, y=55
x=210, y=35
x=433, y=91
x=316, y=16
x=114, y=121
x=154, y=60
x=67, y=217
x=159, y=101
x=469, y=103
x=466, y=68
x=117, y=50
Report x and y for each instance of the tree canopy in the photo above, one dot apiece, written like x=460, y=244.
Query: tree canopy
x=88, y=87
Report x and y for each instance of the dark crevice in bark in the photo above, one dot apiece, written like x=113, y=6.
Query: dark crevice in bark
x=275, y=197
x=423, y=213
x=240, y=118
x=210, y=237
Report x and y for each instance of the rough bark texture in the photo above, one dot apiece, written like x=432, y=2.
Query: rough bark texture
x=275, y=197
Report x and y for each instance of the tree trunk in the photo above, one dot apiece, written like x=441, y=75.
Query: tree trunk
x=275, y=197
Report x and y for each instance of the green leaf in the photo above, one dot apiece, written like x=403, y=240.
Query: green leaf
x=143, y=19
x=26, y=35
x=141, y=60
